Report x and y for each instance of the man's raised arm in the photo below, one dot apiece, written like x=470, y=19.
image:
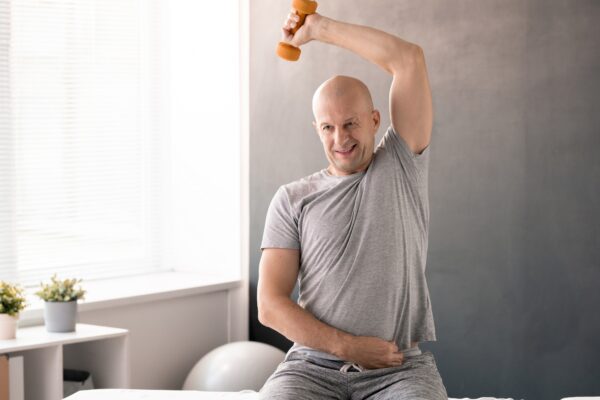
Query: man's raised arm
x=411, y=110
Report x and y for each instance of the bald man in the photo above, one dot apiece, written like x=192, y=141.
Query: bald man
x=354, y=235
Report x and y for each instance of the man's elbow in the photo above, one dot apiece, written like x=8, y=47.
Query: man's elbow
x=271, y=309
x=262, y=316
x=419, y=57
x=264, y=311
x=408, y=58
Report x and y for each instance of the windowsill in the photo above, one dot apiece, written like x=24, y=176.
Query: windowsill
x=125, y=291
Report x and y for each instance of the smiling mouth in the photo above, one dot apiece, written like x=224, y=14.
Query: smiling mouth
x=345, y=153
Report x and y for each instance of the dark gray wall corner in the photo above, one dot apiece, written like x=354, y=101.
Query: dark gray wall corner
x=514, y=247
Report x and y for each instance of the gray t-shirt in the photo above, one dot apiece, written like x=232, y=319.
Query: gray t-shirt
x=363, y=245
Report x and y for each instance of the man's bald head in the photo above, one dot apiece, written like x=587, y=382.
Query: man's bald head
x=346, y=123
x=341, y=87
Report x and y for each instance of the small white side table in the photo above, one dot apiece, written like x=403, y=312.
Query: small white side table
x=101, y=350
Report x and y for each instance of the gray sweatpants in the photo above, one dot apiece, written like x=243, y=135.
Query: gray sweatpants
x=301, y=376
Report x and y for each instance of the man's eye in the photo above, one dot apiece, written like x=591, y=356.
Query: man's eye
x=326, y=127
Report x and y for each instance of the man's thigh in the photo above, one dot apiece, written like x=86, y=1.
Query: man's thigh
x=417, y=379
x=299, y=379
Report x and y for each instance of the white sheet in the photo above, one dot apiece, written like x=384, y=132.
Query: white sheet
x=131, y=394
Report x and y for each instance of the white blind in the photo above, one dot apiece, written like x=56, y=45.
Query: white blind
x=80, y=142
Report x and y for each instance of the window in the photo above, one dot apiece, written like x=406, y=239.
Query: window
x=87, y=149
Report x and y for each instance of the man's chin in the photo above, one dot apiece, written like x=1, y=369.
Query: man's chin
x=347, y=169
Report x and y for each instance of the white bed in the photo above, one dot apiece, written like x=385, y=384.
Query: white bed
x=132, y=394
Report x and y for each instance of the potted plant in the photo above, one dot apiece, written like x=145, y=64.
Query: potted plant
x=60, y=303
x=12, y=301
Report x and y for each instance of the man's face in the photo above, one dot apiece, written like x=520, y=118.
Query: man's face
x=347, y=127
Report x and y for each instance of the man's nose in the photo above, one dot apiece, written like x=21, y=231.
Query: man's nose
x=341, y=135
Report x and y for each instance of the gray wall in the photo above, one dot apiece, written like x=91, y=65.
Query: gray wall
x=513, y=263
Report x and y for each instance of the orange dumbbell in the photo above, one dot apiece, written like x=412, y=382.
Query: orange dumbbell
x=302, y=8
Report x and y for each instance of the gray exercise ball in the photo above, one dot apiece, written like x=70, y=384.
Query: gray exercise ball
x=233, y=367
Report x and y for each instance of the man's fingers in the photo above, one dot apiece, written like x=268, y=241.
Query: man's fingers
x=288, y=24
x=398, y=357
x=285, y=35
x=398, y=361
x=291, y=20
x=293, y=15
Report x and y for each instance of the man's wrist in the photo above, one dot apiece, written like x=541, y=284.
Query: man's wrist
x=318, y=27
x=342, y=344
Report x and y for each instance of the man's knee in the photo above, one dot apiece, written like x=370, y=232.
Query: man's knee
x=282, y=387
x=275, y=390
x=430, y=388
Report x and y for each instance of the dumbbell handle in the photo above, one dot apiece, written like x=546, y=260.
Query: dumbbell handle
x=302, y=9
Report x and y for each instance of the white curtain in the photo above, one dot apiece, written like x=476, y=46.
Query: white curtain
x=81, y=160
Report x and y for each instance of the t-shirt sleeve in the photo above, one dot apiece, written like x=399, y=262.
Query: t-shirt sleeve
x=415, y=166
x=281, y=227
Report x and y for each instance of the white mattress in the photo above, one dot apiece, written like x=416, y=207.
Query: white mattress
x=132, y=394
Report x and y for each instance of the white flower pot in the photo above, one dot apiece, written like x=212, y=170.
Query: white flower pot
x=60, y=316
x=8, y=326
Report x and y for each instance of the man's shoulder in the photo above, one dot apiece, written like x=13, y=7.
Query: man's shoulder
x=384, y=144
x=305, y=186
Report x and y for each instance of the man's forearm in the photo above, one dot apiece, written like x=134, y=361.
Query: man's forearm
x=300, y=326
x=383, y=49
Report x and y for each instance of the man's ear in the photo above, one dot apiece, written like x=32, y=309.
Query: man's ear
x=376, y=119
x=314, y=123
